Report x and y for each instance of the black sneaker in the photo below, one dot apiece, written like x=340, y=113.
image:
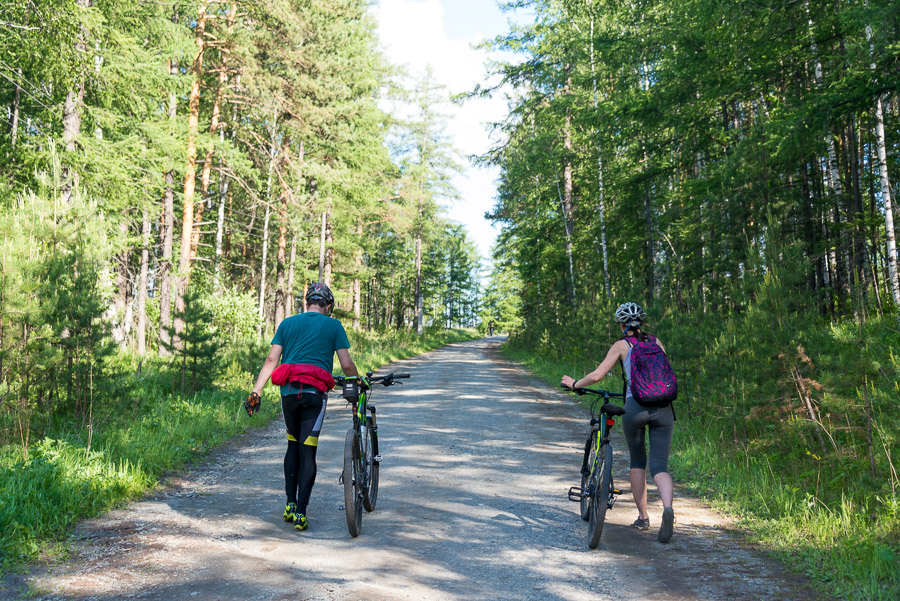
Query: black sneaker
x=668, y=525
x=642, y=524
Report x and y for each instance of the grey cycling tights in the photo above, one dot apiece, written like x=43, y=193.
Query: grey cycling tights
x=660, y=421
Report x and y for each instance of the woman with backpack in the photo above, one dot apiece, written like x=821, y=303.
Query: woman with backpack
x=653, y=413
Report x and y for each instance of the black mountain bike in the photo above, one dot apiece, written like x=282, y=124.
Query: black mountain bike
x=361, y=456
x=597, y=492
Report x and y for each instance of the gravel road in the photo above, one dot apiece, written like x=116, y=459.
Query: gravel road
x=478, y=456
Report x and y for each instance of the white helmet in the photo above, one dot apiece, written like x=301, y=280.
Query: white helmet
x=630, y=315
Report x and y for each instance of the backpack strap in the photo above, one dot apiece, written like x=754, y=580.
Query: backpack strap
x=622, y=364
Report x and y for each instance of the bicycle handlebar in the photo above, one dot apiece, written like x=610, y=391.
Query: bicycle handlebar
x=607, y=407
x=604, y=393
x=386, y=380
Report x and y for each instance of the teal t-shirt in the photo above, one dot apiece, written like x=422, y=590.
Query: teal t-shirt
x=310, y=339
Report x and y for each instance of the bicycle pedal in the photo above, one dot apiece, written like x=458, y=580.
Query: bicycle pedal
x=377, y=458
x=577, y=494
x=616, y=491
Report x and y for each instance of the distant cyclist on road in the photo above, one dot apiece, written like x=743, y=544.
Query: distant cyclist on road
x=305, y=345
x=659, y=421
x=491, y=328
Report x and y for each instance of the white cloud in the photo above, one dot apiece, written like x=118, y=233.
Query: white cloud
x=413, y=34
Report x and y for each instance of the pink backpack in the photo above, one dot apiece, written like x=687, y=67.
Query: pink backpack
x=653, y=381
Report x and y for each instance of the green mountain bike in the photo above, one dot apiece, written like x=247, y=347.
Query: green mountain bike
x=361, y=457
x=597, y=492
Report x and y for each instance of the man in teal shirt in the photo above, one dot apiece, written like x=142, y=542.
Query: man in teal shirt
x=306, y=339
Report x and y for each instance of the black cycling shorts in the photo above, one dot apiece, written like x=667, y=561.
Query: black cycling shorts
x=303, y=416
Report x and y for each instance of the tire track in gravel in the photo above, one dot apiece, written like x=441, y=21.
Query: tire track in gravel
x=478, y=456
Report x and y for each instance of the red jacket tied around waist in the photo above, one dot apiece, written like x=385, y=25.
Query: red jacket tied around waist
x=312, y=375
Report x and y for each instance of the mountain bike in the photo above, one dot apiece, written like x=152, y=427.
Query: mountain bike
x=597, y=492
x=361, y=456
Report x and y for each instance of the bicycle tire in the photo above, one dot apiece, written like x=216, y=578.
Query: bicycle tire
x=371, y=495
x=600, y=497
x=585, y=503
x=352, y=496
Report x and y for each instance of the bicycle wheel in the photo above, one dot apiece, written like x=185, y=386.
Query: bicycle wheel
x=600, y=496
x=352, y=480
x=371, y=467
x=586, y=478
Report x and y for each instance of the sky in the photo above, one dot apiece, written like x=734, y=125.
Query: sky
x=442, y=34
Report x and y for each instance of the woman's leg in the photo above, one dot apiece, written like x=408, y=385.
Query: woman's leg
x=633, y=423
x=638, y=479
x=662, y=423
x=664, y=484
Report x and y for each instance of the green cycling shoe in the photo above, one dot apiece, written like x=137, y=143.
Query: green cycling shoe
x=300, y=522
x=290, y=511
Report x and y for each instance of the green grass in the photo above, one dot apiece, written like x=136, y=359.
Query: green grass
x=141, y=430
x=824, y=516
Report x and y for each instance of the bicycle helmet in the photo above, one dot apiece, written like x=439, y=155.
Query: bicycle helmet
x=630, y=315
x=322, y=294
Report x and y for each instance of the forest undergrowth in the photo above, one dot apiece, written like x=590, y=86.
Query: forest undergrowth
x=790, y=425
x=79, y=464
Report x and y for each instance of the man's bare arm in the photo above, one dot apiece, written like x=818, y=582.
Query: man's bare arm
x=268, y=367
x=347, y=364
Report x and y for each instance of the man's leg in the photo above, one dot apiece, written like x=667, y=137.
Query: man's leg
x=290, y=410
x=313, y=414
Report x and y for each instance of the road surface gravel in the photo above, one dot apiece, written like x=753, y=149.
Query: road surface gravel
x=478, y=457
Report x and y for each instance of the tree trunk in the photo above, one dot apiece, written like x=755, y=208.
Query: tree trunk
x=187, y=224
x=809, y=225
x=832, y=170
x=214, y=127
x=893, y=275
x=601, y=209
x=357, y=284
x=567, y=200
x=886, y=195
x=420, y=301
x=14, y=123
x=167, y=233
x=117, y=312
x=165, y=266
x=220, y=231
x=328, y=274
x=72, y=113
x=281, y=253
x=289, y=297
x=142, y=287
x=262, y=271
x=859, y=250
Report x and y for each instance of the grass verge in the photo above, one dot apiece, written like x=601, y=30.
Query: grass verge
x=848, y=544
x=75, y=472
